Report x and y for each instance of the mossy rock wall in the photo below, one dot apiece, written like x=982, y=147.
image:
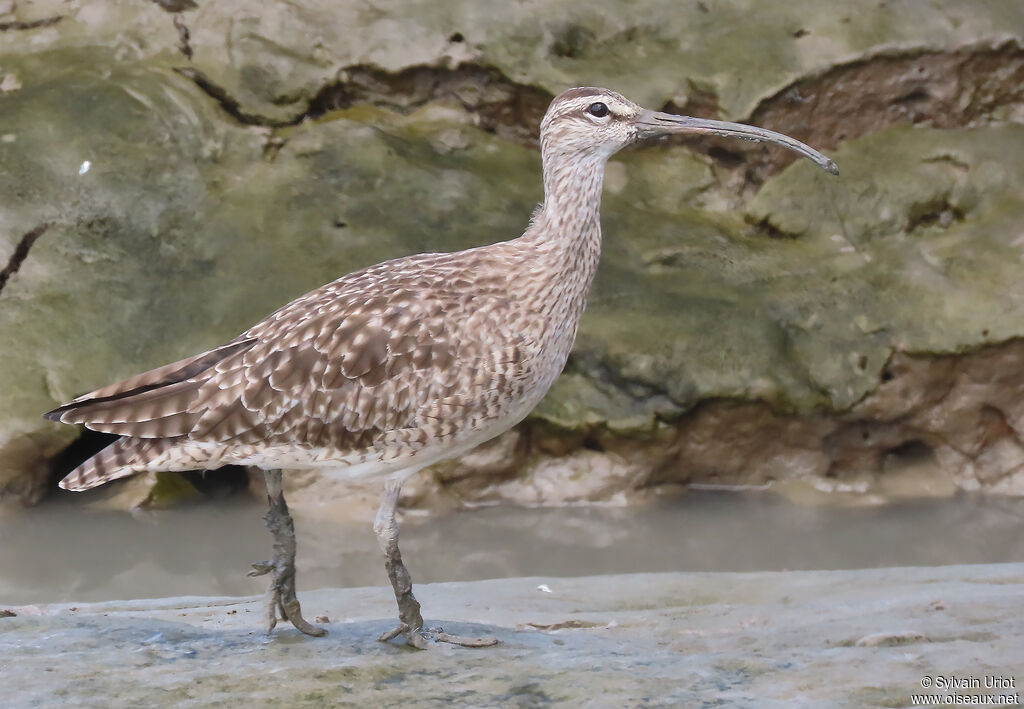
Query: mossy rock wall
x=196, y=169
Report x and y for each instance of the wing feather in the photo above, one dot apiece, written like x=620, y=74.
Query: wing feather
x=160, y=393
x=377, y=351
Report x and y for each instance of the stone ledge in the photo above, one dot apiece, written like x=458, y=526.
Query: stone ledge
x=833, y=638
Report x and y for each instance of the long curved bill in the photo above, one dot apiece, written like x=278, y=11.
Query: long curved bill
x=654, y=123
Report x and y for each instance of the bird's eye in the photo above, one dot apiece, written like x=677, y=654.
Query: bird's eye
x=597, y=109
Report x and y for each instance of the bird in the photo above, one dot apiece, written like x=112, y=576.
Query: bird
x=394, y=367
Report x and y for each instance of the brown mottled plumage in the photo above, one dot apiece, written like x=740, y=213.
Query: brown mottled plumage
x=394, y=366
x=362, y=370
x=401, y=364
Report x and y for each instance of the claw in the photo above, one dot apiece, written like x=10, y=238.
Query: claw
x=438, y=635
x=290, y=610
x=413, y=638
x=261, y=568
x=421, y=639
x=392, y=634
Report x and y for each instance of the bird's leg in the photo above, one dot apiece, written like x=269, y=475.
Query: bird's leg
x=386, y=527
x=410, y=620
x=281, y=592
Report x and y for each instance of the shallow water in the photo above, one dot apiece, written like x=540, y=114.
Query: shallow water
x=61, y=551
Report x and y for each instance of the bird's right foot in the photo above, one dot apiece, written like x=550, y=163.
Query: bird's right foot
x=414, y=637
x=281, y=598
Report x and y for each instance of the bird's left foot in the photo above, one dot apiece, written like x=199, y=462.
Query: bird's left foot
x=410, y=619
x=436, y=635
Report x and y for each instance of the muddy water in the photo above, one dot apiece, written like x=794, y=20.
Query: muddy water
x=62, y=552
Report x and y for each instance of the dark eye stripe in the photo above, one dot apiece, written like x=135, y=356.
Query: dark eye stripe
x=597, y=109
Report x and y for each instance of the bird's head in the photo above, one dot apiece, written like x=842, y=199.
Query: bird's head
x=589, y=121
x=597, y=123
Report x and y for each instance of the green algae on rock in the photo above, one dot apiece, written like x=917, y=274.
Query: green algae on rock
x=721, y=282
x=177, y=224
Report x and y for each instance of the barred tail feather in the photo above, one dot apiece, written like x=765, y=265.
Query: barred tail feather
x=125, y=456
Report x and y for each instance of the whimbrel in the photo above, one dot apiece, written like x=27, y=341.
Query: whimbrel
x=397, y=366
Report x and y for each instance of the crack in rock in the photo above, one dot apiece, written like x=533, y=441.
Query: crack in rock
x=938, y=88
x=228, y=103
x=910, y=427
x=175, y=6
x=30, y=25
x=941, y=88
x=20, y=254
x=510, y=110
x=504, y=107
x=184, y=36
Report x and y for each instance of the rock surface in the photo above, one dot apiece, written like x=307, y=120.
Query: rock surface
x=754, y=323
x=825, y=639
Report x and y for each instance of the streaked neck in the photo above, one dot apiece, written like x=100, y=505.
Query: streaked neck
x=564, y=239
